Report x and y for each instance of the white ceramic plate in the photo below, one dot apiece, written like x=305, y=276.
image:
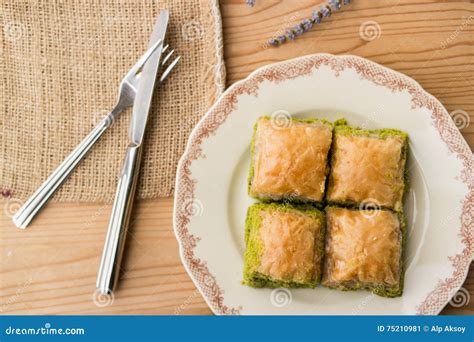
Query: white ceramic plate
x=211, y=187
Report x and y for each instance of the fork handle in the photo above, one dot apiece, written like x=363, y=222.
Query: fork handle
x=119, y=221
x=31, y=207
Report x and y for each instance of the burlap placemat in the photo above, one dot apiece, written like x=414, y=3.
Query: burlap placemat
x=61, y=64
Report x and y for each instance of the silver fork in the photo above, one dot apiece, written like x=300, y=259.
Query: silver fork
x=127, y=91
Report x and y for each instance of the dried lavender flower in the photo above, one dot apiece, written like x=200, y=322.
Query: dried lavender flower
x=298, y=30
x=273, y=42
x=316, y=17
x=281, y=39
x=307, y=24
x=335, y=4
x=290, y=35
x=325, y=11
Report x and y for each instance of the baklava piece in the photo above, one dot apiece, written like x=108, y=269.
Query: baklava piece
x=364, y=251
x=284, y=245
x=368, y=166
x=290, y=162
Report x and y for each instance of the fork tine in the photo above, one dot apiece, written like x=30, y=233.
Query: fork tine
x=139, y=64
x=169, y=68
x=168, y=56
x=165, y=48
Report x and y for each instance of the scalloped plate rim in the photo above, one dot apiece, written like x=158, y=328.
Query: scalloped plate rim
x=231, y=89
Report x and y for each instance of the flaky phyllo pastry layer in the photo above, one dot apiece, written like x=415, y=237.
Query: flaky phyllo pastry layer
x=284, y=245
x=290, y=161
x=364, y=250
x=357, y=175
x=368, y=166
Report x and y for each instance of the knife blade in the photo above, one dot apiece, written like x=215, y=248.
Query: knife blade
x=142, y=103
x=121, y=210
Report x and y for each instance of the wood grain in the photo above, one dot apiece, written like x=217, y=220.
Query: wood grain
x=51, y=267
x=412, y=37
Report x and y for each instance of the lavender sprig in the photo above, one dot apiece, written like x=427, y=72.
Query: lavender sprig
x=250, y=3
x=307, y=24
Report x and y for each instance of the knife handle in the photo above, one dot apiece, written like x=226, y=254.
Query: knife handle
x=119, y=221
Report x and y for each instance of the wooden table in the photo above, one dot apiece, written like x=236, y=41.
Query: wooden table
x=51, y=268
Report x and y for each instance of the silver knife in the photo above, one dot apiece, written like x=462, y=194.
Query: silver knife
x=120, y=217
